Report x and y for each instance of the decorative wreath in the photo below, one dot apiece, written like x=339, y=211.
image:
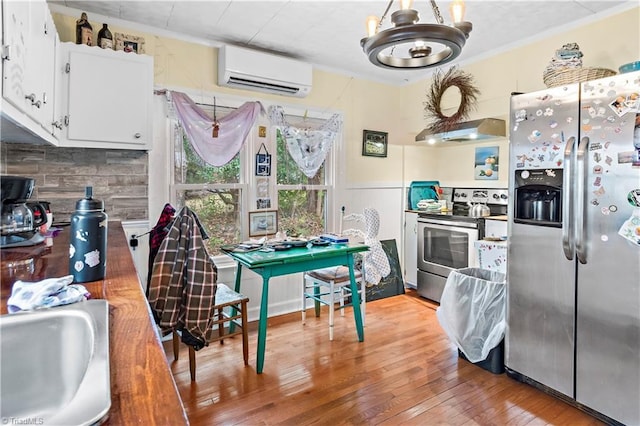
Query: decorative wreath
x=468, y=94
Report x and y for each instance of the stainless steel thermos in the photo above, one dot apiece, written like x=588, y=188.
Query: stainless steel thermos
x=88, y=240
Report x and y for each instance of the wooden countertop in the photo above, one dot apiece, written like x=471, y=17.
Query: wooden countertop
x=142, y=387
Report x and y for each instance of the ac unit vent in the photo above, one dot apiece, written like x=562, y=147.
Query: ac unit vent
x=236, y=81
x=252, y=70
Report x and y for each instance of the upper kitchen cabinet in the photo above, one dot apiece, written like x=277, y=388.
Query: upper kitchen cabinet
x=29, y=45
x=106, y=98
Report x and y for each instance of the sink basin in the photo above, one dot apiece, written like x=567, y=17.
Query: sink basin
x=54, y=364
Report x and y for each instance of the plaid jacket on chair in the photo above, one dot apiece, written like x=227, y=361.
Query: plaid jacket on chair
x=183, y=283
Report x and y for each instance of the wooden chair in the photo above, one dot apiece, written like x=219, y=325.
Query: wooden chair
x=330, y=286
x=236, y=313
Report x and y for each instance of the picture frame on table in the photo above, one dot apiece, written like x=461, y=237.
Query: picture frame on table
x=129, y=43
x=374, y=144
x=264, y=222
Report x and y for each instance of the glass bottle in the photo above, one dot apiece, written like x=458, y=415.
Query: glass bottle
x=105, y=39
x=84, y=30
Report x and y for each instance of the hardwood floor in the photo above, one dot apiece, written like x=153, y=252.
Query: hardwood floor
x=405, y=372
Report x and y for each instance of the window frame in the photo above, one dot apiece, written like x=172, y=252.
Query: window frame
x=247, y=156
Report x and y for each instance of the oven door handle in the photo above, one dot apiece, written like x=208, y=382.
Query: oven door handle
x=447, y=224
x=447, y=227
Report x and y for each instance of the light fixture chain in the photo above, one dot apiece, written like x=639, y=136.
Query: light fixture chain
x=384, y=15
x=436, y=12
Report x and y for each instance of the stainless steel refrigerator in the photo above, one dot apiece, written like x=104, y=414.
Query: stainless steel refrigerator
x=573, y=280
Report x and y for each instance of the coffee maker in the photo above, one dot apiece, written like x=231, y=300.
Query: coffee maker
x=20, y=219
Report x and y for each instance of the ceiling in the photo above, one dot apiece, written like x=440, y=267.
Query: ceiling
x=327, y=33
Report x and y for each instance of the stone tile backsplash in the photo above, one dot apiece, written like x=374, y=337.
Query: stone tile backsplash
x=119, y=177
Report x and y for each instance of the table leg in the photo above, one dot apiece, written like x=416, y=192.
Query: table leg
x=355, y=299
x=262, y=326
x=234, y=311
x=316, y=292
x=238, y=277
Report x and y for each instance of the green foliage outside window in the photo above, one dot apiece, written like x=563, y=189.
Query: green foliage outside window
x=217, y=209
x=300, y=211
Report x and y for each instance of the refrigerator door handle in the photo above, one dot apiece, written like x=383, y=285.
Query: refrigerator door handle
x=568, y=185
x=580, y=207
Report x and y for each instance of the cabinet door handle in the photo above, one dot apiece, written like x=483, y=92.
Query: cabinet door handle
x=137, y=135
x=31, y=97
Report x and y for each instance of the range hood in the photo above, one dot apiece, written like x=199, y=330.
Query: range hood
x=468, y=131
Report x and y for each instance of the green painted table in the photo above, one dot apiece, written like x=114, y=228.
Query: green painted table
x=294, y=260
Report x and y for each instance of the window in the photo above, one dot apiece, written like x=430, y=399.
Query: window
x=221, y=196
x=302, y=201
x=214, y=193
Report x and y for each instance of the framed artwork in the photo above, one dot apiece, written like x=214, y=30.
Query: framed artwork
x=263, y=203
x=263, y=223
x=263, y=162
x=129, y=43
x=486, y=163
x=374, y=144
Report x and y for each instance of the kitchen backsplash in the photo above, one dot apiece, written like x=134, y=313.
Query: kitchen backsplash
x=119, y=177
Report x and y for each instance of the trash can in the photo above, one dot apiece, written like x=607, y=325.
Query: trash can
x=472, y=313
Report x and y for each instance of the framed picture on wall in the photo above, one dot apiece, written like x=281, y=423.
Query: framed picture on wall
x=129, y=43
x=263, y=223
x=486, y=163
x=374, y=144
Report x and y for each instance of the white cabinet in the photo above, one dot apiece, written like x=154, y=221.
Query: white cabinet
x=495, y=228
x=411, y=249
x=106, y=98
x=29, y=45
x=492, y=255
x=140, y=254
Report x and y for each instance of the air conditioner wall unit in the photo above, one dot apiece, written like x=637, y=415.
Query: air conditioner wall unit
x=252, y=70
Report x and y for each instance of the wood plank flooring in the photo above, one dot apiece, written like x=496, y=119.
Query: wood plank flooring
x=405, y=372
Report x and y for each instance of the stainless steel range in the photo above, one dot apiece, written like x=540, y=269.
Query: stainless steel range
x=446, y=239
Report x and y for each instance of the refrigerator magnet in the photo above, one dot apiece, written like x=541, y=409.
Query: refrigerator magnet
x=630, y=229
x=633, y=197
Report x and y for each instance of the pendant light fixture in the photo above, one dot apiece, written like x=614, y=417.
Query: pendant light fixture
x=411, y=45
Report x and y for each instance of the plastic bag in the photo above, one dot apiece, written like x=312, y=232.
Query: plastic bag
x=473, y=311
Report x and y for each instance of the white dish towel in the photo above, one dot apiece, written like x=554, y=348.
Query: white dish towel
x=26, y=296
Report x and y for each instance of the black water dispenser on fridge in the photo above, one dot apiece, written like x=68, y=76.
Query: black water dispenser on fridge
x=538, y=197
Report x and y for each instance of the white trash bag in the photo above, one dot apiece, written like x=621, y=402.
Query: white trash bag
x=473, y=311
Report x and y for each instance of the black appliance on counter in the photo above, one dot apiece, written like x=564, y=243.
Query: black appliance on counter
x=20, y=219
x=446, y=239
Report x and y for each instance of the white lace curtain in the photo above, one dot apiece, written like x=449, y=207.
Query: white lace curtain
x=307, y=147
x=232, y=133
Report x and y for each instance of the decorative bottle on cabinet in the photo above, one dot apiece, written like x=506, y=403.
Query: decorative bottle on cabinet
x=84, y=30
x=105, y=39
x=88, y=240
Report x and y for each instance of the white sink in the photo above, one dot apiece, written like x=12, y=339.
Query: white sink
x=54, y=365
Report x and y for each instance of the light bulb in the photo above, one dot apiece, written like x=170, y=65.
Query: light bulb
x=457, y=11
x=372, y=25
x=406, y=4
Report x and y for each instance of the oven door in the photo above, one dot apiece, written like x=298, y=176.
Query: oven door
x=444, y=246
